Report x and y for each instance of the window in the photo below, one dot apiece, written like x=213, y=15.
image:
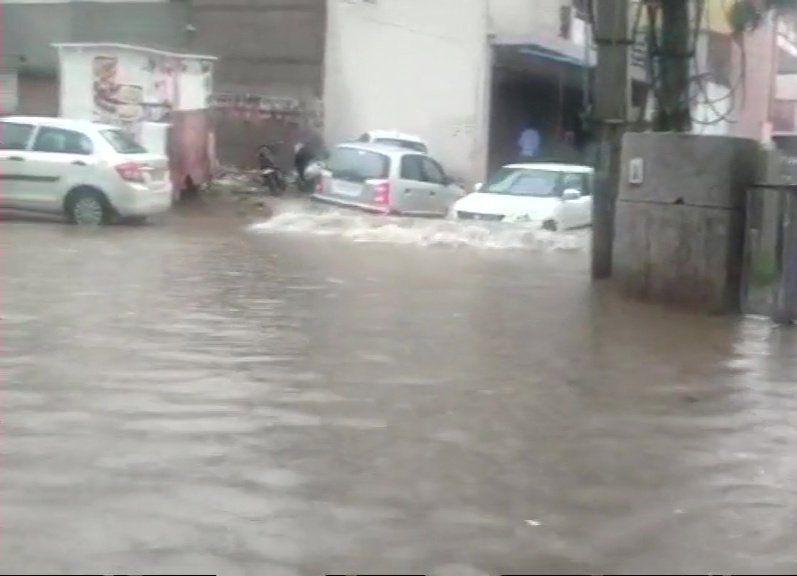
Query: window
x=59, y=141
x=412, y=168
x=577, y=182
x=357, y=165
x=432, y=172
x=122, y=142
x=14, y=136
x=720, y=58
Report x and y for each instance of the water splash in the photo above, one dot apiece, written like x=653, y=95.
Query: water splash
x=378, y=229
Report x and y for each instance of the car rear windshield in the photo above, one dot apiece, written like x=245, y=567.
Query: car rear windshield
x=122, y=142
x=357, y=165
x=415, y=146
x=14, y=136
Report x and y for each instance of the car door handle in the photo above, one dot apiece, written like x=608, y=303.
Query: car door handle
x=79, y=163
x=16, y=158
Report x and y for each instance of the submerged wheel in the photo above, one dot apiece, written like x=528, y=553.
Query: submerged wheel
x=550, y=225
x=88, y=208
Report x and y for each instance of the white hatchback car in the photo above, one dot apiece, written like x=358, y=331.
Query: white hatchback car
x=93, y=173
x=553, y=196
x=386, y=180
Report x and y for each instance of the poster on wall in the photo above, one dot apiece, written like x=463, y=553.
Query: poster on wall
x=115, y=101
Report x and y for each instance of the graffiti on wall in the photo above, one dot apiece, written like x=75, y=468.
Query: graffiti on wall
x=258, y=108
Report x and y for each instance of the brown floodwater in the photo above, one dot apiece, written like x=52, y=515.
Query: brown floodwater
x=331, y=392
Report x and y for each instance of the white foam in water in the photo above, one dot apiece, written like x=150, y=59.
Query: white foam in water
x=378, y=229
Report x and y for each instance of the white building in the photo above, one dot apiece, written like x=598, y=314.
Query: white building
x=463, y=74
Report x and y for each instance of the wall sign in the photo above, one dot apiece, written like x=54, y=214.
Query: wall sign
x=636, y=171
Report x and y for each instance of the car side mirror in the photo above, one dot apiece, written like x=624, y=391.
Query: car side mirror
x=571, y=194
x=478, y=187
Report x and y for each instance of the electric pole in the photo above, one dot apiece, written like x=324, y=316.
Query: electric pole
x=673, y=113
x=612, y=95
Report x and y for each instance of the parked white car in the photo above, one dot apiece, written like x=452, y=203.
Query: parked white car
x=395, y=138
x=92, y=173
x=554, y=196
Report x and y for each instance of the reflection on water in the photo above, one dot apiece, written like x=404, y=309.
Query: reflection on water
x=198, y=397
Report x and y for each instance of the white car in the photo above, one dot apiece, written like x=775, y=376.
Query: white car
x=395, y=138
x=93, y=173
x=553, y=196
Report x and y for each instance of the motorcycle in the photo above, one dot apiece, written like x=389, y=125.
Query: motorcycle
x=270, y=173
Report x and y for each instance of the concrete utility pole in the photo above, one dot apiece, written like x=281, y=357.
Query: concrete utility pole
x=673, y=113
x=612, y=95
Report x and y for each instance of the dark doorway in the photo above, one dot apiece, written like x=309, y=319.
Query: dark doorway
x=547, y=95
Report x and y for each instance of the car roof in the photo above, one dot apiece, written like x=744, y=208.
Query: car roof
x=386, y=149
x=54, y=122
x=395, y=135
x=553, y=167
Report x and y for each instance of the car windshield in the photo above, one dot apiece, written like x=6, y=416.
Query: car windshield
x=525, y=182
x=122, y=142
x=409, y=145
x=357, y=165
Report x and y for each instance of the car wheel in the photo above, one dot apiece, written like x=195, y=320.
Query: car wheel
x=88, y=208
x=550, y=225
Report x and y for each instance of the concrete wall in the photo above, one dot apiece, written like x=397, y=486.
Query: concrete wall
x=30, y=28
x=521, y=18
x=413, y=65
x=269, y=47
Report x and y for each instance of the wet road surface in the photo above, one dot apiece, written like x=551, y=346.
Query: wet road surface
x=330, y=394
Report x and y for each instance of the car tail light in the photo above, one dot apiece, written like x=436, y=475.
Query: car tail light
x=382, y=192
x=319, y=187
x=131, y=172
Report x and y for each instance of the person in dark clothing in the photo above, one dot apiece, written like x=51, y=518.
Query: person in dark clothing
x=310, y=149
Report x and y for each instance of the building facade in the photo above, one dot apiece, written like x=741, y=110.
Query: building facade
x=466, y=75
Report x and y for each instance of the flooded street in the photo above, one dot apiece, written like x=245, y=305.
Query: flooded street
x=332, y=392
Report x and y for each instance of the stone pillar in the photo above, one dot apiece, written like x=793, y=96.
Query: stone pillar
x=680, y=218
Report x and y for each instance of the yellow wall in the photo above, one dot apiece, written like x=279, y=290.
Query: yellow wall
x=716, y=17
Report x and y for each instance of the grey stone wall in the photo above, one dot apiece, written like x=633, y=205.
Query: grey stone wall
x=679, y=235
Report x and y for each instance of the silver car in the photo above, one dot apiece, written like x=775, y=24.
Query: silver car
x=388, y=180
